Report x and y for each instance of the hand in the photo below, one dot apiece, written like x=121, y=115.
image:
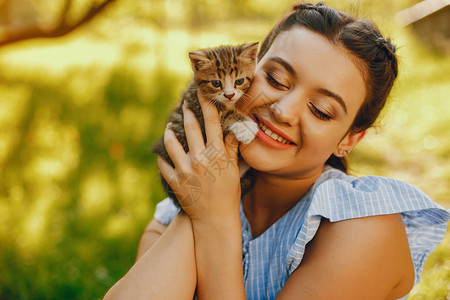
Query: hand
x=206, y=179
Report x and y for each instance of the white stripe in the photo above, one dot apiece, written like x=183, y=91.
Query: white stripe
x=278, y=251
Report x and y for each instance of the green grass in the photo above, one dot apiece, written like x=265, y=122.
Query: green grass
x=78, y=183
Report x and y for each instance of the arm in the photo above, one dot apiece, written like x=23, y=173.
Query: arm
x=170, y=259
x=218, y=252
x=214, y=212
x=151, y=234
x=217, y=231
x=366, y=258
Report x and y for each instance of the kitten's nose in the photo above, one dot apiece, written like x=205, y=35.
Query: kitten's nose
x=229, y=96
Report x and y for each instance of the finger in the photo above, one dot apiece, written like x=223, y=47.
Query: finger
x=174, y=148
x=193, y=132
x=212, y=120
x=232, y=146
x=166, y=170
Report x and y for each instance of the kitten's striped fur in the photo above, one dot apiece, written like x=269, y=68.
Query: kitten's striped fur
x=222, y=75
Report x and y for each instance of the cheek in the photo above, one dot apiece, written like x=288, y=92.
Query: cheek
x=208, y=92
x=259, y=94
x=320, y=138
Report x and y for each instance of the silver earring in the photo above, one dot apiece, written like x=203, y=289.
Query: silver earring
x=343, y=153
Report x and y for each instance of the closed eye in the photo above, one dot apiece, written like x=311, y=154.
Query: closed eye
x=273, y=82
x=318, y=113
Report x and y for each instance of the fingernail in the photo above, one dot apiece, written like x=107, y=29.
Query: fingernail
x=168, y=125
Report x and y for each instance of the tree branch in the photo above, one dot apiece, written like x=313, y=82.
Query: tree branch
x=65, y=12
x=4, y=12
x=62, y=28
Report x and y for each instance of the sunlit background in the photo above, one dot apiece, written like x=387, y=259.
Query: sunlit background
x=79, y=113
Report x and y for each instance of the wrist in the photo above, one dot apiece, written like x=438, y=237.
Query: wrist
x=218, y=253
x=218, y=230
x=215, y=211
x=217, y=223
x=220, y=226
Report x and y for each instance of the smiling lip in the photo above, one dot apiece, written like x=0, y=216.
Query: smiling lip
x=269, y=141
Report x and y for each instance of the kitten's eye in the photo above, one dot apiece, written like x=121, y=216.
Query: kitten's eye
x=216, y=83
x=239, y=81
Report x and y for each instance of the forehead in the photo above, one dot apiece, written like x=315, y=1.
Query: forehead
x=320, y=63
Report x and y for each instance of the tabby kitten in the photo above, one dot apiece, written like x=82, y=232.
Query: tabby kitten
x=222, y=75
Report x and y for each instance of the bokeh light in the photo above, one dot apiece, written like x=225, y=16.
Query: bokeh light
x=79, y=113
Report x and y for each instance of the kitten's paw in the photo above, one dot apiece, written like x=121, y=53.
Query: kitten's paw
x=244, y=131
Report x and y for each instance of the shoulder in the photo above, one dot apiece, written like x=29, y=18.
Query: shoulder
x=352, y=258
x=376, y=245
x=369, y=221
x=338, y=196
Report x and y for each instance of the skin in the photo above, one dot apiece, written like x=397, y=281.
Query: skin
x=365, y=258
x=301, y=72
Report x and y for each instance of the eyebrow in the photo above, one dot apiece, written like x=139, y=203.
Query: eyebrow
x=335, y=97
x=322, y=91
x=285, y=64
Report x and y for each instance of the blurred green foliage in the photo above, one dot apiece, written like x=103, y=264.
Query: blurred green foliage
x=79, y=114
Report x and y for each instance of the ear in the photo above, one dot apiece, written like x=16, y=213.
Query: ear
x=347, y=143
x=198, y=60
x=249, y=51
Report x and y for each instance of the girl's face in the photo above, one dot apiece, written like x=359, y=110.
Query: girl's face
x=308, y=91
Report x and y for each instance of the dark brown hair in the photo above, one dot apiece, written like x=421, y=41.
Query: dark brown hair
x=374, y=55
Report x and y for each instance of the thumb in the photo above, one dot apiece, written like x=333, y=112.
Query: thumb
x=232, y=146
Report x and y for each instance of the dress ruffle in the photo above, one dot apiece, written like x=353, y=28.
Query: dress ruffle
x=270, y=258
x=341, y=197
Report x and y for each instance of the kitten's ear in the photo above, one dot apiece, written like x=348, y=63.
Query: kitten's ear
x=249, y=51
x=198, y=60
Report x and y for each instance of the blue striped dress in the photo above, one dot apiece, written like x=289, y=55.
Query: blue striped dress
x=270, y=258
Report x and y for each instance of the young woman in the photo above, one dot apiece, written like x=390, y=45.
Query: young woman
x=306, y=230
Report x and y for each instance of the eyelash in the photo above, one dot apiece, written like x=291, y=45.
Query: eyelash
x=273, y=82
x=319, y=113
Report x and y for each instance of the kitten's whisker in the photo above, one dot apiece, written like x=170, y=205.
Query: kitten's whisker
x=206, y=62
x=246, y=97
x=215, y=102
x=247, y=101
x=212, y=103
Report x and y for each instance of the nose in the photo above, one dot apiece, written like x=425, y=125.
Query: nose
x=286, y=110
x=229, y=95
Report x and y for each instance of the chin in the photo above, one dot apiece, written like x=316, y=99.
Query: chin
x=278, y=162
x=260, y=157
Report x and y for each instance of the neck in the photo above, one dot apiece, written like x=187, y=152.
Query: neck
x=272, y=196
